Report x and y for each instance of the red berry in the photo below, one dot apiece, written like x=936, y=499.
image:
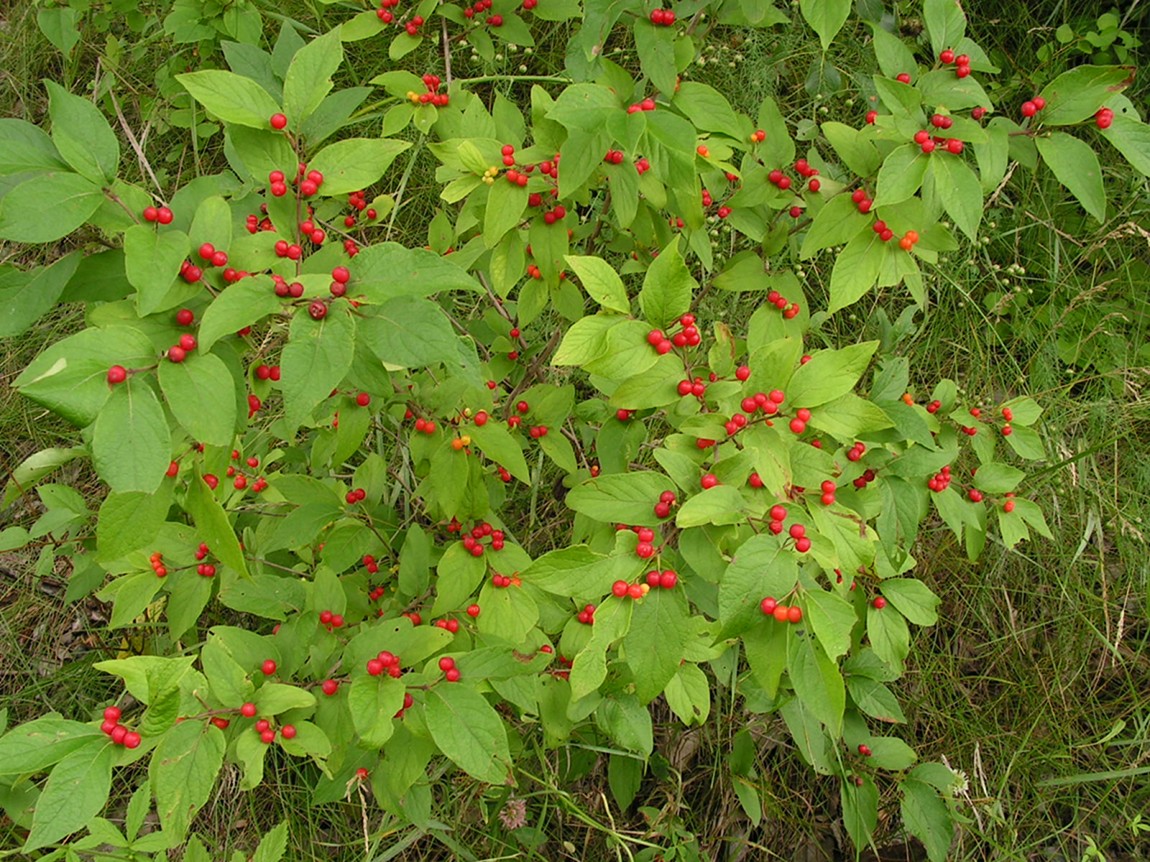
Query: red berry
x=879, y=603
x=248, y=710
x=132, y=739
x=117, y=374
x=278, y=122
x=794, y=614
x=112, y=713
x=947, y=56
x=268, y=667
x=1029, y=109
x=184, y=317
x=619, y=588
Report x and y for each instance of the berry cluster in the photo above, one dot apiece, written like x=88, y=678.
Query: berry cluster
x=647, y=104
x=687, y=336
x=448, y=625
x=1032, y=106
x=615, y=157
x=663, y=508
x=622, y=589
x=797, y=531
x=119, y=734
x=384, y=662
x=809, y=174
x=789, y=309
x=862, y=200
x=203, y=569
x=330, y=621
x=961, y=63
x=425, y=426
x=940, y=481
x=161, y=215
x=799, y=423
x=929, y=143
x=450, y=671
x=157, y=562
x=782, y=613
x=662, y=17
x=504, y=581
x=587, y=615
x=480, y=531
x=865, y=479
x=856, y=451
x=779, y=179
x=665, y=579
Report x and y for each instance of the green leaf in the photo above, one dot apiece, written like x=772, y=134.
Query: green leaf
x=722, y=504
x=183, y=772
x=852, y=147
x=1075, y=164
x=893, y=56
x=59, y=27
x=469, y=731
x=832, y=618
x=496, y=443
x=76, y=791
x=24, y=218
x=228, y=681
x=874, y=699
x=856, y=270
x=889, y=752
x=653, y=646
x=655, y=46
x=627, y=722
x=131, y=595
x=24, y=147
x=213, y=525
x=602, y=284
x=35, y=746
x=1076, y=95
x=860, y=809
x=33, y=294
x=913, y=599
x=274, y=843
x=152, y=262
x=82, y=135
x=388, y=270
x=817, y=681
x=506, y=203
x=826, y=17
x=1132, y=139
x=619, y=499
x=707, y=109
x=308, y=78
x=667, y=287
x=689, y=695
x=959, y=190
x=945, y=23
x=996, y=478
x=573, y=571
x=927, y=818
x=901, y=175
x=829, y=374
x=318, y=355
x=131, y=443
x=241, y=304
x=231, y=97
x=130, y=520
x=373, y=701
x=759, y=569
x=889, y=635
x=836, y=223
x=201, y=393
x=355, y=163
x=272, y=698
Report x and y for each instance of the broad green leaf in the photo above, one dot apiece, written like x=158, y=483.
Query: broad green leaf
x=373, y=701
x=410, y=332
x=612, y=620
x=996, y=478
x=653, y=646
x=388, y=270
x=469, y=731
x=24, y=218
x=355, y=163
x=35, y=746
x=721, y=504
x=506, y=203
x=901, y=175
x=874, y=699
x=856, y=270
x=1132, y=139
x=959, y=191
x=131, y=595
x=308, y=78
x=817, y=681
x=130, y=520
x=889, y=635
x=620, y=499
x=246, y=302
x=231, y=97
x=1076, y=166
x=829, y=374
x=707, y=108
x=201, y=393
x=689, y=695
x=272, y=698
x=213, y=525
x=826, y=17
x=860, y=809
x=945, y=23
x=317, y=356
x=836, y=223
x=601, y=282
x=759, y=569
x=585, y=340
x=228, y=681
x=508, y=613
x=183, y=772
x=152, y=262
x=24, y=147
x=131, y=443
x=913, y=599
x=573, y=571
x=852, y=147
x=33, y=294
x=927, y=818
x=496, y=443
x=34, y=468
x=893, y=56
x=76, y=791
x=273, y=844
x=82, y=135
x=627, y=721
x=1076, y=95
x=890, y=752
x=655, y=46
x=667, y=287
x=832, y=618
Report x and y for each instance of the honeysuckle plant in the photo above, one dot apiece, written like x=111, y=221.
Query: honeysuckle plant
x=345, y=444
